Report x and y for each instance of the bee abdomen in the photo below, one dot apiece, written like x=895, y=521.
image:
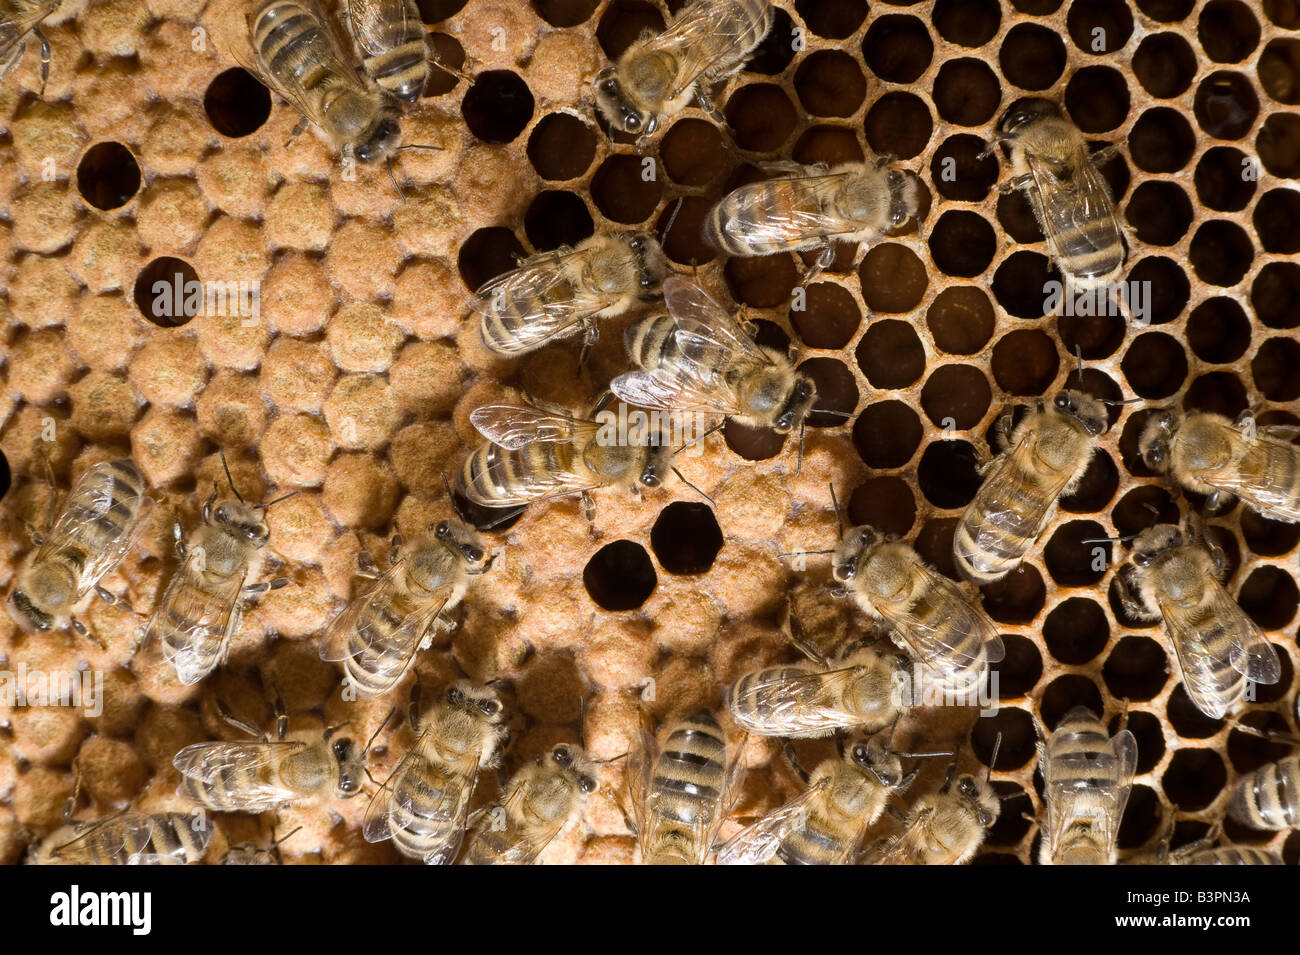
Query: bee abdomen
x=1235, y=855
x=811, y=844
x=1080, y=752
x=987, y=550
x=1269, y=797
x=760, y=699
x=288, y=39
x=116, y=483
x=653, y=342
x=403, y=66
x=690, y=773
x=1093, y=251
x=494, y=476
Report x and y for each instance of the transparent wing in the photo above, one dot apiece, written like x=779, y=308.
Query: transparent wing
x=928, y=644
x=1100, y=804
x=710, y=39
x=805, y=704
x=540, y=298
x=354, y=630
x=89, y=502
x=1261, y=474
x=1068, y=206
x=392, y=810
x=1211, y=682
x=366, y=20
x=530, y=485
x=1250, y=654
x=899, y=850
x=790, y=211
x=14, y=30
x=523, y=846
x=637, y=774
x=759, y=842
x=245, y=761
x=673, y=389
x=708, y=321
x=204, y=612
x=515, y=426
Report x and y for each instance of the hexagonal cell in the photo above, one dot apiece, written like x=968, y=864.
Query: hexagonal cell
x=169, y=305
x=621, y=193
x=893, y=278
x=1135, y=669
x=1020, y=669
x=620, y=576
x=1019, y=738
x=1221, y=253
x=1268, y=538
x=1077, y=555
x=1278, y=145
x=686, y=538
x=1159, y=212
x=1014, y=820
x=434, y=11
x=1096, y=487
x=962, y=243
x=960, y=170
x=1032, y=57
x=832, y=19
x=237, y=103
x=1275, y=221
x=446, y=50
x=830, y=83
x=1223, y=180
x=1248, y=752
x=108, y=175
x=1228, y=31
x=887, y=434
x=764, y=281
x=1099, y=26
x=776, y=52
x=837, y=392
x=565, y=13
x=1076, y=631
x=1161, y=140
x=829, y=319
x=557, y=218
x=1269, y=597
x=1226, y=105
x=956, y=396
x=1017, y=598
x=1275, y=295
x=1025, y=362
x=692, y=152
x=684, y=242
x=934, y=544
x=1218, y=331
x=1097, y=98
x=890, y=354
x=948, y=474
x=967, y=22
x=966, y=92
x=623, y=22
x=1194, y=778
x=497, y=106
x=1020, y=281
x=1155, y=365
x=885, y=503
x=1164, y=64
x=1142, y=818
x=828, y=144
x=561, y=147
x=486, y=254
x=898, y=125
x=1065, y=693
x=1279, y=70
x=961, y=320
x=761, y=117
x=898, y=48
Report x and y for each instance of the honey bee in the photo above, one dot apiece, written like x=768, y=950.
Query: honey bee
x=539, y=801
x=1086, y=783
x=1268, y=797
x=126, y=838
x=1202, y=852
x=18, y=18
x=682, y=793
x=199, y=612
x=290, y=46
x=534, y=454
x=1207, y=454
x=1219, y=648
x=263, y=774
x=813, y=209
x=930, y=616
x=659, y=74
x=253, y=854
x=96, y=527
x=1042, y=458
x=424, y=804
x=379, y=633
x=553, y=295
x=389, y=36
x=1050, y=161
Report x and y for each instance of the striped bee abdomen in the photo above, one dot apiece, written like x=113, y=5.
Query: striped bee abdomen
x=380, y=650
x=1235, y=855
x=1269, y=797
x=103, y=507
x=687, y=787
x=1080, y=752
x=1092, y=251
x=395, y=54
x=999, y=526
x=493, y=476
x=290, y=41
x=422, y=827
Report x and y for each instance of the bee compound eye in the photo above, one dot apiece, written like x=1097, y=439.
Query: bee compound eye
x=443, y=530
x=587, y=784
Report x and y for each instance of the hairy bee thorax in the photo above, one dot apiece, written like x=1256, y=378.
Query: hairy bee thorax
x=647, y=78
x=1200, y=445
x=885, y=572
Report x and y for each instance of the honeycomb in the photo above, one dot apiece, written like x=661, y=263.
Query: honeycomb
x=150, y=155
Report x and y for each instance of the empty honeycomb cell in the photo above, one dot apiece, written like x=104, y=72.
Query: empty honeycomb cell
x=623, y=22
x=966, y=22
x=829, y=319
x=887, y=434
x=1224, y=179
x=1219, y=391
x=1076, y=556
x=752, y=444
x=1268, y=538
x=1186, y=718
x=1228, y=31
x=1016, y=816
x=762, y=282
x=962, y=243
x=1099, y=26
x=1092, y=336
x=831, y=145
x=685, y=538
x=934, y=544
x=1032, y=57
x=237, y=103
x=434, y=11
x=832, y=19
x=1164, y=64
x=891, y=355
x=561, y=147
x=1017, y=598
x=565, y=13
x=1247, y=751
x=1277, y=221
x=1269, y=596
x=956, y=396
x=1194, y=778
x=1226, y=106
x=948, y=474
x=1142, y=818
x=557, y=218
x=1161, y=140
x=108, y=175
x=1285, y=13
x=1221, y=253
x=960, y=171
x=692, y=152
x=830, y=83
x=961, y=320
x=1021, y=667
x=898, y=48
x=1218, y=331
x=761, y=117
x=1097, y=486
x=836, y=391
x=1168, y=286
x=898, y=125
x=774, y=54
x=497, y=106
x=1076, y=631
x=445, y=50
x=160, y=292
x=1097, y=98
x=1279, y=70
x=684, y=243
x=1019, y=738
x=1275, y=295
x=1016, y=217
x=1154, y=365
x=1135, y=669
x=893, y=278
x=1020, y=283
x=1064, y=694
x=1278, y=145
x=1159, y=212
x=1025, y=362
x=966, y=92
x=486, y=254
x=885, y=503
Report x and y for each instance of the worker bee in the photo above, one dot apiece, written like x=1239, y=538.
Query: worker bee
x=1219, y=648
x=1050, y=161
x=263, y=774
x=199, y=612
x=1202, y=852
x=379, y=633
x=18, y=18
x=540, y=800
x=254, y=854
x=1268, y=797
x=1041, y=459
x=424, y=804
x=659, y=74
x=1207, y=454
x=126, y=838
x=682, y=793
x=1086, y=783
x=813, y=209
x=930, y=616
x=96, y=527
x=389, y=37
x=553, y=295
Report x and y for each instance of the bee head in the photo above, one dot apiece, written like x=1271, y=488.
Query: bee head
x=1084, y=408
x=981, y=797
x=658, y=462
x=477, y=700
x=574, y=763
x=1153, y=444
x=848, y=555
x=350, y=767
x=874, y=756
x=27, y=615
x=797, y=405
x=649, y=258
x=242, y=520
x=380, y=140
x=1025, y=111
x=465, y=542
x=1154, y=541
x=613, y=102
x=904, y=197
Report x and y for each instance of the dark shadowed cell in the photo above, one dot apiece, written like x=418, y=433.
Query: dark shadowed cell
x=829, y=318
x=620, y=576
x=686, y=538
x=890, y=354
x=168, y=308
x=956, y=396
x=1164, y=64
x=497, y=106
x=1032, y=56
x=237, y=103
x=898, y=48
x=1076, y=631
x=1135, y=669
x=961, y=319
x=561, y=147
x=885, y=503
x=486, y=254
x=108, y=175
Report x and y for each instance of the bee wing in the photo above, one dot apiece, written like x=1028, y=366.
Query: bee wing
x=755, y=844
x=896, y=851
x=637, y=771
x=14, y=30
x=390, y=812
x=184, y=615
x=523, y=845
x=367, y=22
x=91, y=500
x=1249, y=653
x=708, y=321
x=1068, y=206
x=515, y=426
x=541, y=295
x=1082, y=795
x=780, y=225
x=532, y=485
x=1262, y=481
x=807, y=704
x=928, y=645
x=211, y=763
x=695, y=39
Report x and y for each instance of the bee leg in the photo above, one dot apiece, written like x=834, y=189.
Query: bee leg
x=823, y=262
x=70, y=805
x=991, y=148
x=297, y=131
x=1132, y=605
x=365, y=563
x=262, y=586
x=707, y=104
x=896, y=813
x=1014, y=183
x=281, y=717
x=207, y=506
x=590, y=334
x=45, y=58
x=588, y=507
x=394, y=546
x=179, y=537
x=227, y=717
x=1104, y=155
x=792, y=760
x=413, y=705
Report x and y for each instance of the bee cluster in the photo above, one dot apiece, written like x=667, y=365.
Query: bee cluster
x=1064, y=439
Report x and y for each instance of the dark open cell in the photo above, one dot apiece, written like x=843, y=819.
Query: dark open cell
x=1142, y=820
x=1277, y=221
x=623, y=22
x=1093, y=336
x=561, y=147
x=167, y=305
x=1159, y=212
x=752, y=444
x=1278, y=145
x=1164, y=64
x=1226, y=105
x=1219, y=391
x=762, y=282
x=1076, y=631
x=1032, y=56
x=1147, y=731
x=237, y=104
x=1221, y=253
x=1286, y=14
x=1248, y=752
x=1065, y=693
x=565, y=13
x=829, y=319
x=948, y=474
x=1128, y=444
x=108, y=175
x=836, y=392
x=1017, y=217
x=622, y=193
x=832, y=19
x=898, y=48
x=1018, y=738
x=934, y=544
x=1167, y=284
x=1072, y=557
x=1020, y=283
x=832, y=145
x=966, y=92
x=1186, y=719
x=830, y=83
x=1025, y=362
x=1016, y=598
x=692, y=152
x=1037, y=8
x=1218, y=331
x=956, y=396
x=761, y=117
x=1154, y=365
x=1096, y=487
x=1099, y=26
x=1228, y=31
x=885, y=503
x=432, y=11
x=1266, y=537
x=497, y=106
x=961, y=319
x=495, y=519
x=1224, y=179
x=890, y=354
x=893, y=278
x=774, y=54
x=486, y=254
x=1275, y=295
x=1269, y=597
x=1097, y=98
x=1135, y=669
x=960, y=172
x=898, y=125
x=445, y=49
x=1020, y=668
x=686, y=537
x=1162, y=140
x=1279, y=70
x=962, y=243
x=6, y=475
x=887, y=434
x=684, y=242
x=557, y=218
x=1133, y=512
x=966, y=22
x=1194, y=778
x=1013, y=822
x=620, y=576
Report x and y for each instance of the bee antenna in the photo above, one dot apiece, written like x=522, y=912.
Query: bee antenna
x=391, y=175
x=663, y=236
x=682, y=478
x=839, y=520
x=799, y=465
x=1126, y=539
x=282, y=497
x=287, y=835
x=696, y=441
x=231, y=481
x=370, y=742
x=418, y=146
x=805, y=553
x=452, y=498
x=1078, y=362
x=997, y=745
x=1112, y=403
